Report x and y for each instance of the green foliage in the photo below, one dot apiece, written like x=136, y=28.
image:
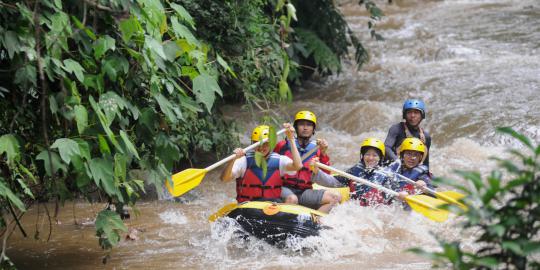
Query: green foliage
x=92, y=90
x=247, y=38
x=109, y=226
x=88, y=88
x=503, y=211
x=323, y=55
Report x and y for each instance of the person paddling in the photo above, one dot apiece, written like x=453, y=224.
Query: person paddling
x=251, y=184
x=371, y=156
x=298, y=186
x=414, y=111
x=412, y=152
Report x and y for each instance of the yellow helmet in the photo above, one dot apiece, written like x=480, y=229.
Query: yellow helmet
x=306, y=115
x=373, y=142
x=260, y=133
x=413, y=144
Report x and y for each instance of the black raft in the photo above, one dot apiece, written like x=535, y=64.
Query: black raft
x=275, y=222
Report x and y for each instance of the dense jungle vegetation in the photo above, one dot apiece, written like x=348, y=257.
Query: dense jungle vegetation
x=92, y=90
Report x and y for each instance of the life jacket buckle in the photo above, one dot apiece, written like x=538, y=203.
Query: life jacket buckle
x=271, y=209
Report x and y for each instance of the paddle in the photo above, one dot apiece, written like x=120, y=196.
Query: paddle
x=223, y=211
x=447, y=196
x=422, y=204
x=188, y=179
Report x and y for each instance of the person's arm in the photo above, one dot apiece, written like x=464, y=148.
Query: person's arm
x=227, y=173
x=425, y=181
x=297, y=162
x=390, y=141
x=321, y=177
x=322, y=153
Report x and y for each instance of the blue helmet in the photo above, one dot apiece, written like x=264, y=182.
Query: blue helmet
x=414, y=104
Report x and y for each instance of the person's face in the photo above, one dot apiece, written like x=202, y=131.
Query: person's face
x=304, y=128
x=411, y=158
x=413, y=117
x=371, y=158
x=264, y=149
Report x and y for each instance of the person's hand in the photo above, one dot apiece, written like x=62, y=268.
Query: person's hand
x=289, y=131
x=312, y=165
x=402, y=194
x=239, y=152
x=323, y=145
x=422, y=185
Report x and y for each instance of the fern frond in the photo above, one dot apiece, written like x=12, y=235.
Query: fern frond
x=325, y=58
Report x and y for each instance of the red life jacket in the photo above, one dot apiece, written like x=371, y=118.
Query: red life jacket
x=370, y=198
x=302, y=179
x=254, y=186
x=409, y=188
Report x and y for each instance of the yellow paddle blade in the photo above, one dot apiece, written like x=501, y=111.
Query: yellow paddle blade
x=185, y=181
x=453, y=194
x=222, y=212
x=428, y=206
x=345, y=192
x=452, y=197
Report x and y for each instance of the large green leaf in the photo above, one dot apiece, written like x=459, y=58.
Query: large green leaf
x=284, y=90
x=67, y=148
x=167, y=150
x=224, y=64
x=105, y=122
x=11, y=43
x=79, y=25
x=170, y=110
x=25, y=75
x=10, y=146
x=522, y=138
x=81, y=117
x=129, y=28
x=205, y=88
x=130, y=147
x=184, y=15
x=111, y=103
x=108, y=226
x=324, y=57
x=272, y=137
x=183, y=32
x=171, y=50
x=102, y=173
x=262, y=163
x=55, y=161
x=103, y=145
x=120, y=171
x=155, y=46
x=74, y=67
x=102, y=45
x=6, y=192
x=84, y=148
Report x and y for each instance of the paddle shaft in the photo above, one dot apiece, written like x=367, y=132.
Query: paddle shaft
x=231, y=157
x=429, y=190
x=357, y=179
x=424, y=206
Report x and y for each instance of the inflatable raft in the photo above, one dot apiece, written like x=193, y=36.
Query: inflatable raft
x=273, y=222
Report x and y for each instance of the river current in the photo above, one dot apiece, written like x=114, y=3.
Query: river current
x=476, y=64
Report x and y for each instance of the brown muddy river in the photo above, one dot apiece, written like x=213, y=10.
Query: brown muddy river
x=476, y=63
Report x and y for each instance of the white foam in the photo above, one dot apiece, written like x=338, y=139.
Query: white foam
x=173, y=217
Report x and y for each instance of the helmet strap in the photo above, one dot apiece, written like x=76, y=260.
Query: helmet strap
x=413, y=127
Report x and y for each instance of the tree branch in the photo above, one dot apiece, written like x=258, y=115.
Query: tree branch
x=99, y=6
